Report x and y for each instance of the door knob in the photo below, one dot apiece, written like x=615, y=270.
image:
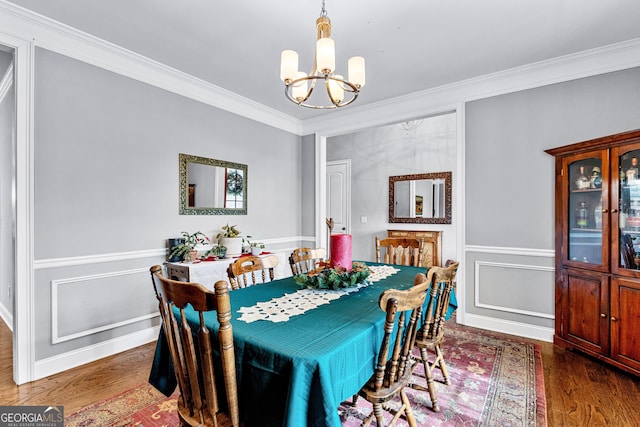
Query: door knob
x=603, y=315
x=613, y=319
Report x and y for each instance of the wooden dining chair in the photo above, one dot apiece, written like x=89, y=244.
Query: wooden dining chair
x=431, y=333
x=399, y=250
x=192, y=352
x=395, y=365
x=251, y=270
x=303, y=260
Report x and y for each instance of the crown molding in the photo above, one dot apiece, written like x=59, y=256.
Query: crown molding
x=63, y=39
x=606, y=59
x=71, y=42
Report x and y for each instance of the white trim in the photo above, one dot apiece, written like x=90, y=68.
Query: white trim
x=606, y=59
x=6, y=316
x=44, y=264
x=459, y=211
x=55, y=284
x=74, y=43
x=95, y=259
x=84, y=355
x=63, y=39
x=545, y=253
x=321, y=190
x=476, y=281
x=509, y=327
x=23, y=297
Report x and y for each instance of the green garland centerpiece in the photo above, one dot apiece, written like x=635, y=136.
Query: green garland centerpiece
x=326, y=277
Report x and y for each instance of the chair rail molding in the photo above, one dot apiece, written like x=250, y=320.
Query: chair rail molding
x=545, y=253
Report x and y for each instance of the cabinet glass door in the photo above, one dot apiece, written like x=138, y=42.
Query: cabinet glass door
x=585, y=210
x=629, y=206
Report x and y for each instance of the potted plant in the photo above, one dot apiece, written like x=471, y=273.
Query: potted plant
x=187, y=249
x=230, y=238
x=256, y=248
x=218, y=250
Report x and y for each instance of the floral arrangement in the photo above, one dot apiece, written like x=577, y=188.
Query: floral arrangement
x=326, y=277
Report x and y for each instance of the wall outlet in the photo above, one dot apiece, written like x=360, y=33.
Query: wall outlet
x=363, y=219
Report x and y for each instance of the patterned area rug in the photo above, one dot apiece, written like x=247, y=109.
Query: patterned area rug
x=496, y=380
x=142, y=406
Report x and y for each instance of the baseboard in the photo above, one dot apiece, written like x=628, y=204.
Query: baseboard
x=6, y=316
x=509, y=327
x=72, y=359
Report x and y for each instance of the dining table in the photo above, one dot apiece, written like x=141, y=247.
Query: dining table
x=300, y=352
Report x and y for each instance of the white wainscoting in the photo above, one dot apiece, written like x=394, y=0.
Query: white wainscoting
x=510, y=283
x=89, y=283
x=92, y=307
x=491, y=298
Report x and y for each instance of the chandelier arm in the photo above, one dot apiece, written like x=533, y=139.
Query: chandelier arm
x=347, y=86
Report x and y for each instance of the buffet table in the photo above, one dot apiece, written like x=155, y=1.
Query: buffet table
x=208, y=273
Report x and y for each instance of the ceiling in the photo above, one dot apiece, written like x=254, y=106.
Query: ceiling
x=408, y=45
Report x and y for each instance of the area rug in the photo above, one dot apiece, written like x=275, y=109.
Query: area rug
x=496, y=380
x=142, y=406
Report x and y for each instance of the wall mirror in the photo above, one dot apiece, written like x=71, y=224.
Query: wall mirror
x=212, y=187
x=421, y=198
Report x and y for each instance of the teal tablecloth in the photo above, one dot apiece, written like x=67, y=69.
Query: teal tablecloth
x=296, y=373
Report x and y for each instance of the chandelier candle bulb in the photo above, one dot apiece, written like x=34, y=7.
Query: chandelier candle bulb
x=299, y=90
x=356, y=71
x=336, y=90
x=288, y=65
x=326, y=55
x=341, y=255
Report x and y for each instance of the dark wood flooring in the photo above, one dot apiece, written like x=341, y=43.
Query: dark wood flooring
x=580, y=391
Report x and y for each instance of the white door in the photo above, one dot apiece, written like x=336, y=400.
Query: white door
x=339, y=195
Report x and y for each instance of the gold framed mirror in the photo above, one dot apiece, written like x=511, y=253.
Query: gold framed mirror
x=211, y=186
x=420, y=198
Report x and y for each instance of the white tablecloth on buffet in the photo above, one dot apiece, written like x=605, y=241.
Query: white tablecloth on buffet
x=208, y=273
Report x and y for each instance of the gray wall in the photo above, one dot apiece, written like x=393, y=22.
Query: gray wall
x=509, y=185
x=308, y=183
x=380, y=152
x=106, y=193
x=7, y=156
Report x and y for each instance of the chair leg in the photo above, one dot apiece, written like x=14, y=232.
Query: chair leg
x=442, y=365
x=429, y=376
x=378, y=412
x=408, y=412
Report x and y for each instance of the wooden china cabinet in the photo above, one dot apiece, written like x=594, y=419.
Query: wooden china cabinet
x=597, y=221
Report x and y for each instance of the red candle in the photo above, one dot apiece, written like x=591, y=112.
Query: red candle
x=341, y=251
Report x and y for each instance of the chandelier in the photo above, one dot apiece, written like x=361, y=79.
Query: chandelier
x=299, y=86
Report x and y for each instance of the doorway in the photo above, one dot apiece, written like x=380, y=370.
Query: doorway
x=339, y=195
x=7, y=188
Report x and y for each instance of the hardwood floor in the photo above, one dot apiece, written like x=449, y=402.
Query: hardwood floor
x=580, y=391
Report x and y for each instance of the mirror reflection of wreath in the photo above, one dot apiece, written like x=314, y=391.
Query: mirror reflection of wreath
x=234, y=183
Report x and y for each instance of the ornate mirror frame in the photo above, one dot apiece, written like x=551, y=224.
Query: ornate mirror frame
x=186, y=209
x=446, y=219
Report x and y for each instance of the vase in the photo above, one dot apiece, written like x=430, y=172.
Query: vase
x=233, y=244
x=256, y=251
x=191, y=256
x=171, y=243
